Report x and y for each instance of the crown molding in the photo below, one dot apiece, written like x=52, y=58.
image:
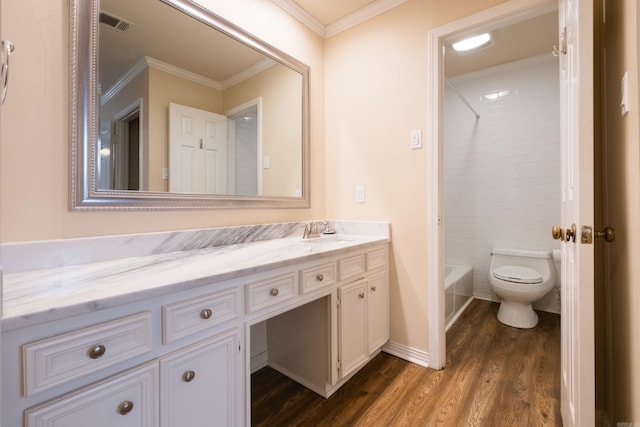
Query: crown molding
x=247, y=73
x=302, y=15
x=369, y=11
x=148, y=62
x=361, y=15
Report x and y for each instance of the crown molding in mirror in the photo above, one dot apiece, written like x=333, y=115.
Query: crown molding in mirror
x=84, y=104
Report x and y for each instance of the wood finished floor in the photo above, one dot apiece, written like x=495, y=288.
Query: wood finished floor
x=495, y=376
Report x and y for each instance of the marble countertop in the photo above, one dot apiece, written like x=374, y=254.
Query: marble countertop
x=46, y=294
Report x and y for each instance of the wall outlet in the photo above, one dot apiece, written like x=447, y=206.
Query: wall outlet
x=165, y=173
x=360, y=194
x=416, y=139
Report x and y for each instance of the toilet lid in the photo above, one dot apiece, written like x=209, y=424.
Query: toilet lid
x=516, y=274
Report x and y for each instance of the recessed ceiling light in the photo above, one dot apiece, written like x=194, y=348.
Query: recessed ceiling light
x=471, y=43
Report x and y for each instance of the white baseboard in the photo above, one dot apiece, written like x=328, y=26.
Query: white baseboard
x=407, y=353
x=258, y=361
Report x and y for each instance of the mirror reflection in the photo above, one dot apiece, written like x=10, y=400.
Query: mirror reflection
x=187, y=109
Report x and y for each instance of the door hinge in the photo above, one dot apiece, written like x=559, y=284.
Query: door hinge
x=339, y=365
x=338, y=302
x=239, y=347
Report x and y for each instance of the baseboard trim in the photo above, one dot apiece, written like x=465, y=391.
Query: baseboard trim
x=413, y=355
x=258, y=361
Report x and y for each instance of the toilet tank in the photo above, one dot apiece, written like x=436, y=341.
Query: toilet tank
x=526, y=253
x=539, y=260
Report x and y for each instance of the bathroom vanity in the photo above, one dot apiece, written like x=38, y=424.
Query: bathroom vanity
x=129, y=331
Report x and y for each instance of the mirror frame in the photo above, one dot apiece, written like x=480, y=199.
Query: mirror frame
x=84, y=116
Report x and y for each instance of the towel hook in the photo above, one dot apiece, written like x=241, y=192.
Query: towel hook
x=7, y=47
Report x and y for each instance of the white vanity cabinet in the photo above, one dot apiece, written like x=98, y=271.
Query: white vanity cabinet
x=353, y=347
x=198, y=384
x=363, y=309
x=182, y=357
x=169, y=361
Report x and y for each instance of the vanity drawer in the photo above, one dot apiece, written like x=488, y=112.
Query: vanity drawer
x=188, y=317
x=376, y=259
x=269, y=292
x=350, y=267
x=317, y=277
x=128, y=399
x=54, y=361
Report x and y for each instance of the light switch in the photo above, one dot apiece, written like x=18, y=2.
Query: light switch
x=266, y=162
x=165, y=173
x=416, y=139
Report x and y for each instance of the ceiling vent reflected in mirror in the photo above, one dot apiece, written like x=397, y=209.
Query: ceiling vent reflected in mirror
x=114, y=21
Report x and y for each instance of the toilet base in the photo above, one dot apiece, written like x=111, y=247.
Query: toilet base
x=517, y=314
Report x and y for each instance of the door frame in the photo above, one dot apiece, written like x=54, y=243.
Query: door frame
x=499, y=16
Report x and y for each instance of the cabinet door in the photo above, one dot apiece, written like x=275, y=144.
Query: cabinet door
x=353, y=350
x=126, y=400
x=378, y=311
x=198, y=384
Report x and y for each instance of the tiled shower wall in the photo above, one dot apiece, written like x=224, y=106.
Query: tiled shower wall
x=501, y=174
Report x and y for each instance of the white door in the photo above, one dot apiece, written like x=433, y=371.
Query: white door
x=577, y=313
x=197, y=150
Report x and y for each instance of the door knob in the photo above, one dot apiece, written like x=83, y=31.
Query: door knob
x=557, y=232
x=608, y=234
x=562, y=234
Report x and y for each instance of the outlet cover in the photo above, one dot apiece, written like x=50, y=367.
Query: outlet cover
x=360, y=194
x=416, y=139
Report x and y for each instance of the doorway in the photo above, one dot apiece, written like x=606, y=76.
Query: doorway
x=486, y=21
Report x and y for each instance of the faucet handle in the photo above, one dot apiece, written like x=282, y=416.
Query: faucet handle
x=305, y=234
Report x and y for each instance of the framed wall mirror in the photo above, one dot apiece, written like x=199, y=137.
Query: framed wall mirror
x=173, y=107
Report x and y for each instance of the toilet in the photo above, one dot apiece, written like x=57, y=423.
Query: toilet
x=520, y=277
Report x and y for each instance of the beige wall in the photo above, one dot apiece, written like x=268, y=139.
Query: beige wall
x=623, y=198
x=35, y=129
x=376, y=89
x=165, y=88
x=281, y=129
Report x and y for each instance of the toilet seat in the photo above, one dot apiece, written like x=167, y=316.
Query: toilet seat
x=517, y=274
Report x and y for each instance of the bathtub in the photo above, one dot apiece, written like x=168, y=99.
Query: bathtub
x=458, y=291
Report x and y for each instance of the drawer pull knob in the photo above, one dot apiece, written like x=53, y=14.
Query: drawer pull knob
x=320, y=277
x=125, y=407
x=274, y=292
x=206, y=313
x=97, y=352
x=373, y=288
x=188, y=376
x=361, y=295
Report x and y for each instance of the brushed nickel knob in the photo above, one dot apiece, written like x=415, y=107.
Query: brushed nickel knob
x=274, y=292
x=188, y=376
x=320, y=277
x=125, y=407
x=206, y=314
x=361, y=295
x=373, y=288
x=97, y=351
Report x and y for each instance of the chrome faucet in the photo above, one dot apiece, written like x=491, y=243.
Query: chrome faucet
x=311, y=230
